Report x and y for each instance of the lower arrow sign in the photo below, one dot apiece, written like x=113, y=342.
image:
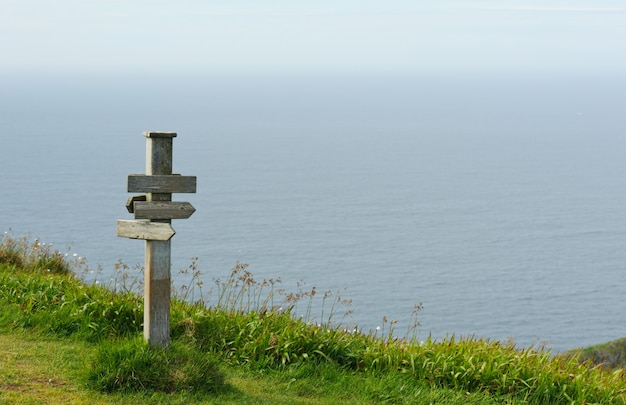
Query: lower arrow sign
x=143, y=229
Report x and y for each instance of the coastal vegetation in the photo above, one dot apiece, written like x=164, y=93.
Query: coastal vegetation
x=610, y=355
x=63, y=339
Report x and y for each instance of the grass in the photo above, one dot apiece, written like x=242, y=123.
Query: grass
x=63, y=338
x=45, y=370
x=610, y=355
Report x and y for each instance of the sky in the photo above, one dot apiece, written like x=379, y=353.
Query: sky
x=365, y=36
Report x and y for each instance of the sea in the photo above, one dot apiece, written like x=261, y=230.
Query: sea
x=498, y=202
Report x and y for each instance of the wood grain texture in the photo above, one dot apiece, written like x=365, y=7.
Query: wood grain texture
x=143, y=229
x=141, y=183
x=157, y=271
x=163, y=210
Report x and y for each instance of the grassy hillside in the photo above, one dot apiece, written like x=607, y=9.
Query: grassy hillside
x=62, y=340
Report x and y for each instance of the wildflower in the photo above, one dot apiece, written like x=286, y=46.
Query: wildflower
x=75, y=255
x=377, y=328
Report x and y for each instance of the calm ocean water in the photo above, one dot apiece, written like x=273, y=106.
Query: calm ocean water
x=500, y=204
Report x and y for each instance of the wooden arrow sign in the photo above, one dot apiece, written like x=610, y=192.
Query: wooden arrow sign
x=163, y=210
x=130, y=204
x=144, y=229
x=142, y=183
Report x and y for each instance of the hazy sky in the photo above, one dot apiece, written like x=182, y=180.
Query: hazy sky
x=390, y=36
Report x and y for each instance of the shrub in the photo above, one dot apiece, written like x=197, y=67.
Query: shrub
x=131, y=365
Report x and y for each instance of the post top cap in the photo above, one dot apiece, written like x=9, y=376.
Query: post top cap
x=150, y=134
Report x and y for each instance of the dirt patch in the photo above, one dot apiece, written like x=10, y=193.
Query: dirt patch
x=12, y=387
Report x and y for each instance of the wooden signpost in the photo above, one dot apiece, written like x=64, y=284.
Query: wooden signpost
x=154, y=212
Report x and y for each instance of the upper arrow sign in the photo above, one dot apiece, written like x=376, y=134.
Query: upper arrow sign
x=142, y=183
x=163, y=210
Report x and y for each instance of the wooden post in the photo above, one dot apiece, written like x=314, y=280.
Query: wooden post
x=154, y=212
x=157, y=278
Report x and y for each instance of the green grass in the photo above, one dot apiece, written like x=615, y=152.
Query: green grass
x=130, y=365
x=610, y=355
x=36, y=369
x=63, y=338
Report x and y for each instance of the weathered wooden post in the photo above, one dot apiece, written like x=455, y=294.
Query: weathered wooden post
x=154, y=212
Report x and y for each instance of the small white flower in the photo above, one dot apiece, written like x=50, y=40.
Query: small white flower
x=97, y=282
x=378, y=328
x=75, y=255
